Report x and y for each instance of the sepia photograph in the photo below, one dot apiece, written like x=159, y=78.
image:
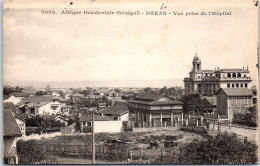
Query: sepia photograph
x=130, y=82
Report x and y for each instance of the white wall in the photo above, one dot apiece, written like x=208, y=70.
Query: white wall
x=13, y=100
x=124, y=117
x=21, y=125
x=108, y=126
x=48, y=109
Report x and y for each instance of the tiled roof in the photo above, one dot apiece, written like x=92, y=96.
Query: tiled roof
x=115, y=110
x=8, y=105
x=149, y=96
x=211, y=100
x=30, y=91
x=85, y=118
x=5, y=97
x=236, y=91
x=39, y=100
x=10, y=126
x=171, y=102
x=21, y=94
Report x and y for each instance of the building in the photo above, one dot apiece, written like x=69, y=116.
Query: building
x=59, y=118
x=76, y=98
x=207, y=82
x=11, y=133
x=116, y=113
x=233, y=100
x=16, y=97
x=101, y=124
x=155, y=110
x=41, y=105
x=21, y=124
x=210, y=104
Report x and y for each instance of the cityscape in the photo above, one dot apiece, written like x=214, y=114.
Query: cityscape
x=132, y=125
x=125, y=82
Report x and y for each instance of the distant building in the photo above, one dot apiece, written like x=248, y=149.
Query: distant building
x=16, y=97
x=76, y=98
x=210, y=104
x=42, y=105
x=155, y=110
x=101, y=124
x=208, y=82
x=11, y=132
x=116, y=113
x=233, y=100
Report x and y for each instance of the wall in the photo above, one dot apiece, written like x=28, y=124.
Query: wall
x=13, y=100
x=47, y=109
x=108, y=126
x=9, y=143
x=125, y=117
x=21, y=125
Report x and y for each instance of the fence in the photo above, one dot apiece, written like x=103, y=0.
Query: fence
x=104, y=151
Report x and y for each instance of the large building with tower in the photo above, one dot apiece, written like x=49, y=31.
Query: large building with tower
x=208, y=82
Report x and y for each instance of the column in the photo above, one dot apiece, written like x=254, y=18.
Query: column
x=171, y=120
x=161, y=119
x=81, y=127
x=197, y=122
x=181, y=118
x=150, y=120
x=201, y=118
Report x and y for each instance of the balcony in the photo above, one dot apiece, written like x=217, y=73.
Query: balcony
x=235, y=78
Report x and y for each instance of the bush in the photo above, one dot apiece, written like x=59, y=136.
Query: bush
x=222, y=149
x=30, y=152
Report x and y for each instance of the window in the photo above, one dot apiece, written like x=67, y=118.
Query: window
x=239, y=75
x=234, y=75
x=233, y=85
x=246, y=85
x=198, y=76
x=228, y=85
x=229, y=75
x=237, y=85
x=241, y=85
x=198, y=66
x=210, y=74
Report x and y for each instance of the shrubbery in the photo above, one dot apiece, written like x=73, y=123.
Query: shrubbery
x=222, y=149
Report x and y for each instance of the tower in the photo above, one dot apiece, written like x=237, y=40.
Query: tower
x=196, y=64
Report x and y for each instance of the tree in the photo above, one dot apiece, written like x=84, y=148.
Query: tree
x=163, y=90
x=191, y=103
x=41, y=93
x=148, y=89
x=117, y=90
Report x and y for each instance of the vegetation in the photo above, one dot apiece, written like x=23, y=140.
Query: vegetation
x=192, y=102
x=225, y=148
x=10, y=90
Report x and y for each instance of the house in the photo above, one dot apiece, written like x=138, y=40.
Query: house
x=255, y=97
x=56, y=118
x=208, y=82
x=21, y=124
x=116, y=113
x=210, y=104
x=41, y=105
x=101, y=124
x=155, y=110
x=11, y=133
x=112, y=93
x=76, y=98
x=16, y=97
x=233, y=100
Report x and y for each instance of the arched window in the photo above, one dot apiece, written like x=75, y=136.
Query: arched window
x=229, y=75
x=234, y=75
x=239, y=75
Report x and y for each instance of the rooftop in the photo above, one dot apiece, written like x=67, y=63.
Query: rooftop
x=236, y=91
x=211, y=100
x=149, y=96
x=39, y=100
x=115, y=110
x=85, y=118
x=10, y=126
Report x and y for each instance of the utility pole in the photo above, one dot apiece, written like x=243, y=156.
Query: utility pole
x=93, y=140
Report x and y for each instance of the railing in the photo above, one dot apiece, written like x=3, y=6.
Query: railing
x=156, y=124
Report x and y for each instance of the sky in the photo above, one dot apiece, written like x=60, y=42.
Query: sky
x=63, y=48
